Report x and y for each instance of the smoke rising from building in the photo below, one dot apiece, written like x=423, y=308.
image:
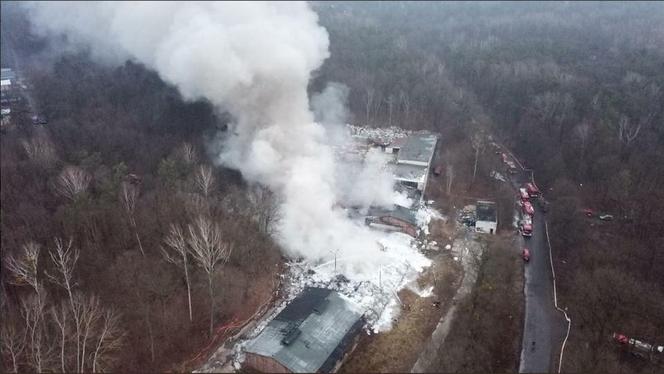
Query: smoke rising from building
x=253, y=60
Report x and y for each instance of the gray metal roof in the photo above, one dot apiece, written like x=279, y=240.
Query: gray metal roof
x=325, y=322
x=486, y=211
x=418, y=147
x=409, y=172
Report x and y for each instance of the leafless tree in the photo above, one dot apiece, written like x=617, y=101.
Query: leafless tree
x=627, y=130
x=40, y=150
x=41, y=354
x=208, y=249
x=60, y=317
x=111, y=337
x=449, y=173
x=390, y=106
x=187, y=153
x=478, y=145
x=177, y=243
x=90, y=312
x=24, y=268
x=265, y=208
x=12, y=342
x=71, y=182
x=582, y=131
x=204, y=180
x=370, y=99
x=405, y=101
x=65, y=258
x=128, y=196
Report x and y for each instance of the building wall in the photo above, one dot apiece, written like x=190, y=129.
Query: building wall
x=404, y=226
x=486, y=227
x=411, y=162
x=264, y=364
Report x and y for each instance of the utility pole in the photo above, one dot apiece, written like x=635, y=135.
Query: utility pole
x=380, y=277
x=334, y=252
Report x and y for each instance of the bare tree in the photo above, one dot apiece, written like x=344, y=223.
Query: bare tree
x=128, y=196
x=582, y=131
x=24, y=269
x=405, y=101
x=478, y=145
x=41, y=353
x=449, y=173
x=90, y=312
x=65, y=258
x=177, y=243
x=390, y=107
x=627, y=130
x=204, y=180
x=187, y=153
x=60, y=317
x=40, y=150
x=12, y=343
x=111, y=337
x=370, y=98
x=208, y=249
x=265, y=208
x=71, y=182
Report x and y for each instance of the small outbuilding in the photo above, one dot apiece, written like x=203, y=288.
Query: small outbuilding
x=486, y=217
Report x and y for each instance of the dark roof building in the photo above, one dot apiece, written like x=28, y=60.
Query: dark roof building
x=312, y=334
x=487, y=217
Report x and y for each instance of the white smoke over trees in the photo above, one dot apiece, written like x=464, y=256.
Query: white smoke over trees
x=253, y=60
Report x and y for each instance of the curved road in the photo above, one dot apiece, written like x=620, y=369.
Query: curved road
x=544, y=327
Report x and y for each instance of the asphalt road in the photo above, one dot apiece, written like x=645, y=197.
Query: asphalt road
x=543, y=328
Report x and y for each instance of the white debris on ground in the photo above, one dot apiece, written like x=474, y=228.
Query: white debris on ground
x=424, y=216
x=402, y=199
x=387, y=135
x=515, y=219
x=496, y=175
x=375, y=295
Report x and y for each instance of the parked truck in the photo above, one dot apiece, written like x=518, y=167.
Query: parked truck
x=639, y=348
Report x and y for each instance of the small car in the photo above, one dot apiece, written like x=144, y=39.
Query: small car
x=525, y=254
x=588, y=212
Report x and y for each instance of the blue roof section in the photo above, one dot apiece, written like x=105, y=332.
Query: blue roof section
x=311, y=334
x=7, y=74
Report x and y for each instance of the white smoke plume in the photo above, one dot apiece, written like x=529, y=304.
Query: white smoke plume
x=254, y=60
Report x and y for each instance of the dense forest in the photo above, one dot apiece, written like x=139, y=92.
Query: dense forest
x=97, y=207
x=576, y=90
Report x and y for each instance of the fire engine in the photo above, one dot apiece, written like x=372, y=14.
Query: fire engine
x=526, y=230
x=528, y=208
x=639, y=348
x=532, y=189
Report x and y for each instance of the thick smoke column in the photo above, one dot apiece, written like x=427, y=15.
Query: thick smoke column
x=253, y=60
